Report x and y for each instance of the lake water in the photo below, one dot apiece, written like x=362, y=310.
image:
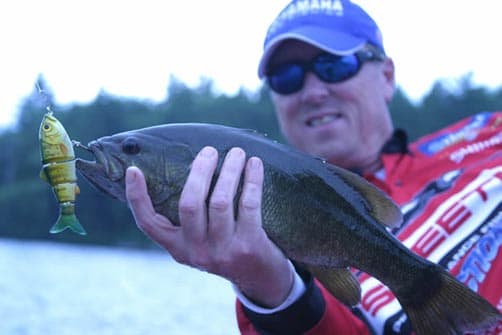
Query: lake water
x=48, y=288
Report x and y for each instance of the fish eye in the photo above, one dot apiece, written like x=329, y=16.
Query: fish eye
x=130, y=146
x=47, y=126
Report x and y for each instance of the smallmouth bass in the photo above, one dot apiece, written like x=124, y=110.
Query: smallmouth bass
x=58, y=169
x=322, y=217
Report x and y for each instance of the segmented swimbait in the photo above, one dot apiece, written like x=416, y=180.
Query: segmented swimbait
x=58, y=159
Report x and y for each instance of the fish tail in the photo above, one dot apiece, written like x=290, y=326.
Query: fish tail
x=452, y=309
x=67, y=219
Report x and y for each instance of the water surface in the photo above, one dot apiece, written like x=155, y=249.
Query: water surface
x=48, y=288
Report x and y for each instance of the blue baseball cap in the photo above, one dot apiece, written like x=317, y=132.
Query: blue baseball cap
x=336, y=26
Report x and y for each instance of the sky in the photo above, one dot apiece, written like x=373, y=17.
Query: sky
x=131, y=48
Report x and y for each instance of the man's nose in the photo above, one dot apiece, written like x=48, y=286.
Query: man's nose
x=314, y=90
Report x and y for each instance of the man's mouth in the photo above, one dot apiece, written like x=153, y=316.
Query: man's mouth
x=322, y=120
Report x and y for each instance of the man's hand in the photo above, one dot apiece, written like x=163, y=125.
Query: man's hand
x=211, y=237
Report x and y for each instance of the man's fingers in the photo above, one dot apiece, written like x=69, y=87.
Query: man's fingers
x=192, y=204
x=221, y=203
x=251, y=199
x=137, y=195
x=140, y=204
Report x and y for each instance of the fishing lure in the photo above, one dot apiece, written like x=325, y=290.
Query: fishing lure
x=58, y=169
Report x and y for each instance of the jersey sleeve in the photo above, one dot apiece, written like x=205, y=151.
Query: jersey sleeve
x=316, y=312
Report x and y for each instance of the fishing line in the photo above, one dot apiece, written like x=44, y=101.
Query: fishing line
x=49, y=110
x=44, y=97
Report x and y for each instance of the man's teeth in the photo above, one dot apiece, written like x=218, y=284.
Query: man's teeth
x=323, y=120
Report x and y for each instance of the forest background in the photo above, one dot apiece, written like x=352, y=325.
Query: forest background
x=28, y=207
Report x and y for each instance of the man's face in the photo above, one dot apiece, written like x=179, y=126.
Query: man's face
x=347, y=122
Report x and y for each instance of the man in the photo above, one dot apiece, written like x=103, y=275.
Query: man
x=331, y=83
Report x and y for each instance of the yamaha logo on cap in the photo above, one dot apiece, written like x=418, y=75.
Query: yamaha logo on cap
x=305, y=7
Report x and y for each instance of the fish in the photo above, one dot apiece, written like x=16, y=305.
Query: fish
x=326, y=219
x=59, y=170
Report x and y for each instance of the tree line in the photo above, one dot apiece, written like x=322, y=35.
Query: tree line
x=28, y=208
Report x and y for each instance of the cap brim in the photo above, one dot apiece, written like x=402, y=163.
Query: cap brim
x=334, y=42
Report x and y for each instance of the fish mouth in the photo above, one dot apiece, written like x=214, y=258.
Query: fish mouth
x=106, y=172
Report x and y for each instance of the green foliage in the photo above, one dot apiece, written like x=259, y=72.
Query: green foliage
x=445, y=103
x=28, y=207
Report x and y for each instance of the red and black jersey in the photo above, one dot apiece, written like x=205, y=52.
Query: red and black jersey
x=449, y=187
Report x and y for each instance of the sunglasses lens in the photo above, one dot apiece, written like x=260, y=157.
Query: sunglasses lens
x=332, y=69
x=286, y=79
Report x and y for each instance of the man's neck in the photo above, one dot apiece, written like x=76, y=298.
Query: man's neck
x=371, y=167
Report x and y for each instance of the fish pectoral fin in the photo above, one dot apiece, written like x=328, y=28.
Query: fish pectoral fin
x=383, y=208
x=340, y=282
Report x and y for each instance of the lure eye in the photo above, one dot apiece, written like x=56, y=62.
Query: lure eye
x=130, y=146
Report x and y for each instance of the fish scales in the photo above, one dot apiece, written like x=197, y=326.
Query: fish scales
x=321, y=216
x=293, y=190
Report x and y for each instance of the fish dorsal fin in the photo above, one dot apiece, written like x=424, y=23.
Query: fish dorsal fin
x=340, y=282
x=383, y=208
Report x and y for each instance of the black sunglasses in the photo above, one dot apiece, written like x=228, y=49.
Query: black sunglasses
x=288, y=78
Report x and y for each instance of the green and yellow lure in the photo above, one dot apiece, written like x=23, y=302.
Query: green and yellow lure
x=58, y=169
